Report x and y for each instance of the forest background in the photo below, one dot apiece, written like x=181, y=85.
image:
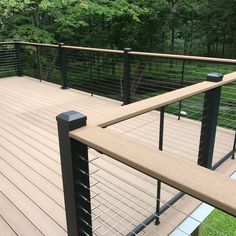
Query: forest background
x=193, y=27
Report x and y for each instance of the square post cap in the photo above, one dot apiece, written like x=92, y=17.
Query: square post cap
x=127, y=49
x=72, y=119
x=214, y=77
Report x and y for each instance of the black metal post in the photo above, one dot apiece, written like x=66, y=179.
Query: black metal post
x=19, y=68
x=75, y=174
x=209, y=122
x=234, y=146
x=91, y=72
x=38, y=63
x=161, y=133
x=161, y=128
x=126, y=80
x=62, y=61
x=158, y=202
x=182, y=84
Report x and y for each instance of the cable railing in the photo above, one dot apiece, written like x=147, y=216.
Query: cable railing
x=124, y=75
x=9, y=60
x=123, y=187
x=175, y=103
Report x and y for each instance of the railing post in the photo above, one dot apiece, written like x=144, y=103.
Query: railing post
x=62, y=63
x=127, y=81
x=161, y=128
x=182, y=84
x=209, y=122
x=75, y=174
x=38, y=63
x=91, y=72
x=161, y=134
x=19, y=68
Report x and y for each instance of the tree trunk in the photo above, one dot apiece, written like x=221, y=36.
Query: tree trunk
x=223, y=46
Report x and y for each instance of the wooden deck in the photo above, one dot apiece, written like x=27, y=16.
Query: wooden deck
x=31, y=184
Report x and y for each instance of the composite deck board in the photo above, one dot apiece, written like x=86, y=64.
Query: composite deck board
x=30, y=171
x=32, y=211
x=16, y=219
x=36, y=179
x=5, y=228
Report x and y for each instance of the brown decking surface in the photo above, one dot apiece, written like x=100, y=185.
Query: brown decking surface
x=31, y=184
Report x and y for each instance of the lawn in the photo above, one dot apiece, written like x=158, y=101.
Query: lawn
x=218, y=223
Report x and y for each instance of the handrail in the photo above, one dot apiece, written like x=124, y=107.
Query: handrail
x=194, y=180
x=126, y=112
x=183, y=57
x=134, y=53
x=95, y=49
x=38, y=44
x=10, y=42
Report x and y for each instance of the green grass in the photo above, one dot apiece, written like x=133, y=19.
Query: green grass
x=218, y=223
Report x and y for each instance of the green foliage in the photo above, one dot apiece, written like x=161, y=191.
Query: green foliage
x=218, y=223
x=186, y=26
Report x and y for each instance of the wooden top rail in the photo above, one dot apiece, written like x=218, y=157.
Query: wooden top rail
x=38, y=44
x=67, y=47
x=201, y=183
x=4, y=43
x=183, y=57
x=126, y=112
x=148, y=54
x=95, y=49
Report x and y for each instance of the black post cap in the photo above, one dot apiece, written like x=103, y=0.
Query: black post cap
x=214, y=77
x=74, y=119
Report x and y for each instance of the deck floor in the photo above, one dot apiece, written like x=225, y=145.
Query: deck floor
x=31, y=193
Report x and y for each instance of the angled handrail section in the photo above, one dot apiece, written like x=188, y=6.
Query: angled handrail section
x=194, y=180
x=75, y=136
x=126, y=112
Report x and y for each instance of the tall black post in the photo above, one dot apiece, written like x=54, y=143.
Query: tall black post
x=161, y=134
x=62, y=61
x=209, y=122
x=181, y=84
x=161, y=128
x=38, y=63
x=126, y=81
x=91, y=72
x=19, y=68
x=75, y=174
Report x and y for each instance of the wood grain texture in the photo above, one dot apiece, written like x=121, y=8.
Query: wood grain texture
x=197, y=181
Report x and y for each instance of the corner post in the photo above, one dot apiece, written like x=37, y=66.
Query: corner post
x=209, y=122
x=62, y=62
x=75, y=175
x=19, y=68
x=127, y=81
